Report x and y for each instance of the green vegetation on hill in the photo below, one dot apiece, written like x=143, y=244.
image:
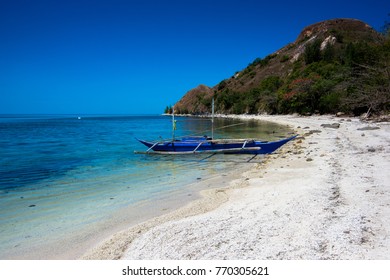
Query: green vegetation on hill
x=337, y=65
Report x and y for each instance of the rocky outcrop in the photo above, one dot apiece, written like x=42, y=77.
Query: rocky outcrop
x=288, y=66
x=194, y=101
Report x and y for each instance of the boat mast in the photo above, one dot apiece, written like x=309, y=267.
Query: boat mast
x=173, y=123
x=212, y=119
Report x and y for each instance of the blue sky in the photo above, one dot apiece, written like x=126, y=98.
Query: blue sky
x=136, y=57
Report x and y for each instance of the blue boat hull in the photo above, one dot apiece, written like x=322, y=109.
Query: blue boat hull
x=202, y=144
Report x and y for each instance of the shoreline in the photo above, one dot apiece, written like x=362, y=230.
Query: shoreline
x=323, y=196
x=207, y=200
x=78, y=244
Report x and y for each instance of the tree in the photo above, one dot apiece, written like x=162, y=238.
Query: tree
x=386, y=28
x=371, y=84
x=328, y=53
x=168, y=109
x=313, y=52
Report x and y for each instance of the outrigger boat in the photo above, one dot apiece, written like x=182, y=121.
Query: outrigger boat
x=204, y=144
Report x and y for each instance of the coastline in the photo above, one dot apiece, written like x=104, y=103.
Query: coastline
x=324, y=196
x=115, y=246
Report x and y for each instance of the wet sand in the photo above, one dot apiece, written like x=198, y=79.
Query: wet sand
x=324, y=196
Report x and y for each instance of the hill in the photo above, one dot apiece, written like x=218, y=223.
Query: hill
x=334, y=65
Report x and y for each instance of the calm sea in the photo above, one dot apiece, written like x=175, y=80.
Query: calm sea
x=61, y=175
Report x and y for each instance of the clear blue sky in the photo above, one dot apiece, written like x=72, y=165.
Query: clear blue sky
x=131, y=57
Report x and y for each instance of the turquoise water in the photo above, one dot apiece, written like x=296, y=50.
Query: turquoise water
x=59, y=175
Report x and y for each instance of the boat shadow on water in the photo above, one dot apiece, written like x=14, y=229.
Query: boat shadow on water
x=202, y=157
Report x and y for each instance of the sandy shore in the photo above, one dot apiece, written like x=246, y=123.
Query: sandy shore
x=323, y=196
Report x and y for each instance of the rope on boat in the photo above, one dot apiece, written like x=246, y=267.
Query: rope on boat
x=202, y=132
x=194, y=120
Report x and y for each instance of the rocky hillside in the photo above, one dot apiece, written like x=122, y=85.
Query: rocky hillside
x=334, y=65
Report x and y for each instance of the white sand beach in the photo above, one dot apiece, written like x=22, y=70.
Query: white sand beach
x=325, y=195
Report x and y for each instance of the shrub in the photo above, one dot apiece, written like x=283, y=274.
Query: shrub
x=284, y=58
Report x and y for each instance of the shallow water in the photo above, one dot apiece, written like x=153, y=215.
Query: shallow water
x=61, y=175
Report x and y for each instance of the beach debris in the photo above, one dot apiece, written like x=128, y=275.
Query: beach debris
x=340, y=114
x=333, y=125
x=369, y=128
x=312, y=132
x=297, y=152
x=383, y=118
